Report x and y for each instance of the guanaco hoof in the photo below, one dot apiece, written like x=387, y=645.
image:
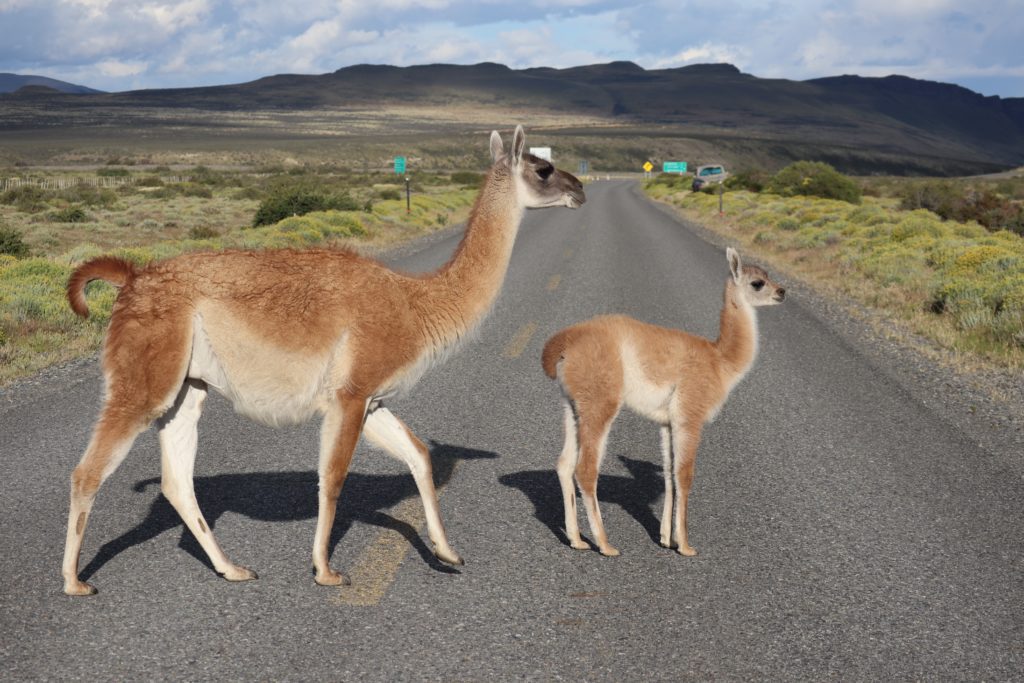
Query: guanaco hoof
x=79, y=588
x=239, y=574
x=332, y=578
x=449, y=557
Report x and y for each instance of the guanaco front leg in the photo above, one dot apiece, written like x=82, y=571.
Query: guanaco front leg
x=666, y=461
x=387, y=432
x=338, y=437
x=685, y=445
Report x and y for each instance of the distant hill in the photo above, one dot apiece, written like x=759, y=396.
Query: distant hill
x=14, y=82
x=866, y=125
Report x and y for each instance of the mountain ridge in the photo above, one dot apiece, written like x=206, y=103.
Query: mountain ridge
x=832, y=118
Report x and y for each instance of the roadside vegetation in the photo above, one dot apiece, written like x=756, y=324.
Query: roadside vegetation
x=944, y=257
x=45, y=233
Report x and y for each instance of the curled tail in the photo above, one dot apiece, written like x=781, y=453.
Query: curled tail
x=116, y=271
x=554, y=351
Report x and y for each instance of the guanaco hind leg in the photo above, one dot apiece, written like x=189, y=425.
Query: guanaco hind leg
x=178, y=435
x=111, y=440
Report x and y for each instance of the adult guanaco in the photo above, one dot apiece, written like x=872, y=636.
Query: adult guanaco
x=286, y=335
x=675, y=379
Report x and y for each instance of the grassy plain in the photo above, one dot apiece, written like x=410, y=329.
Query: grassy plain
x=154, y=218
x=956, y=284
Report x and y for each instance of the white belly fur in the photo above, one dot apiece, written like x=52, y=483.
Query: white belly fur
x=640, y=394
x=264, y=382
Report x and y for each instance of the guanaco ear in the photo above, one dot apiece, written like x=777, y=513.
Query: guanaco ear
x=518, y=144
x=497, y=147
x=735, y=267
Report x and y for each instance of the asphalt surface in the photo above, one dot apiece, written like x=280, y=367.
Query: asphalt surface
x=844, y=528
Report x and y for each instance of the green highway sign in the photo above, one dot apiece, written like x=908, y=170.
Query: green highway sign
x=673, y=167
x=399, y=165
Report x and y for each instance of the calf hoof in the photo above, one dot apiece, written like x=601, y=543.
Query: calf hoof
x=609, y=551
x=580, y=544
x=686, y=550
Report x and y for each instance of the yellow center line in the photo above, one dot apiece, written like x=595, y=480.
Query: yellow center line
x=554, y=282
x=375, y=570
x=518, y=343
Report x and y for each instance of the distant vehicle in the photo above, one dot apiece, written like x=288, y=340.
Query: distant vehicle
x=707, y=175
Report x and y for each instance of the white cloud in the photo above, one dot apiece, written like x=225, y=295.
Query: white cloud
x=119, y=69
x=698, y=54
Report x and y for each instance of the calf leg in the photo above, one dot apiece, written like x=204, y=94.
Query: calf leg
x=566, y=467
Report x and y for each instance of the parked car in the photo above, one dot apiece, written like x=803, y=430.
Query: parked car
x=707, y=175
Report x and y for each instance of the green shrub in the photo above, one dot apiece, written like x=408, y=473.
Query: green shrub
x=72, y=214
x=389, y=193
x=964, y=203
x=749, y=179
x=814, y=179
x=12, y=242
x=202, y=232
x=89, y=195
x=195, y=190
x=27, y=198
x=149, y=181
x=298, y=202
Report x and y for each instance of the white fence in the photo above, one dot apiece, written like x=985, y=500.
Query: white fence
x=65, y=182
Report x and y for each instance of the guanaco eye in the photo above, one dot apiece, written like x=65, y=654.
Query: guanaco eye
x=545, y=172
x=757, y=285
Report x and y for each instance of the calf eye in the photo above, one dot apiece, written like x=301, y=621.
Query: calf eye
x=545, y=172
x=757, y=285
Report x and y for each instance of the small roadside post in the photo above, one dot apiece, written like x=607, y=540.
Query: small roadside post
x=721, y=193
x=400, y=170
x=647, y=169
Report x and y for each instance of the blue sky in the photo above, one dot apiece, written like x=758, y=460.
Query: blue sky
x=130, y=44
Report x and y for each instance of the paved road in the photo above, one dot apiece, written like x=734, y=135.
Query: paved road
x=844, y=529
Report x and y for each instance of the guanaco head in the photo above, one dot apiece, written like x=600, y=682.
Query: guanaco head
x=752, y=283
x=538, y=183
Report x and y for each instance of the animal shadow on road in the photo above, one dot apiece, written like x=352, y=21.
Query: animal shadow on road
x=291, y=496
x=634, y=494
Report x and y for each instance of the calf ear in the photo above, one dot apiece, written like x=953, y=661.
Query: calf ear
x=518, y=144
x=497, y=148
x=735, y=266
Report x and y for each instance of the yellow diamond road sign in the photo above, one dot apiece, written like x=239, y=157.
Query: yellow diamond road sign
x=648, y=166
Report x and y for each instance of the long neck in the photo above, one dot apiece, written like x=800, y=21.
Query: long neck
x=737, y=336
x=460, y=294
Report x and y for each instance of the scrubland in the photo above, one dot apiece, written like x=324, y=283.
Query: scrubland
x=45, y=233
x=956, y=283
